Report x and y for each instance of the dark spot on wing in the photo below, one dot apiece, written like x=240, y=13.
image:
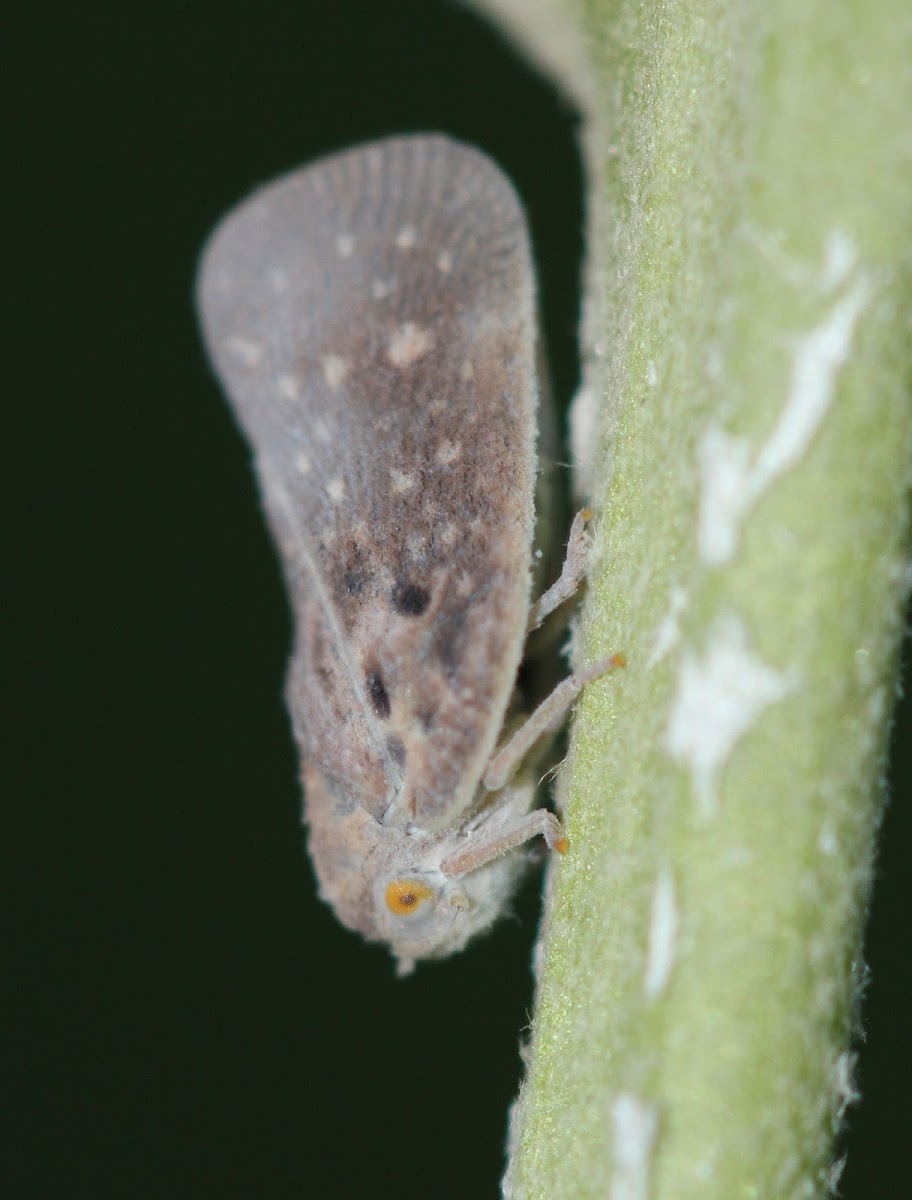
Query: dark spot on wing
x=396, y=750
x=410, y=600
x=426, y=720
x=379, y=697
x=449, y=638
x=354, y=569
x=353, y=582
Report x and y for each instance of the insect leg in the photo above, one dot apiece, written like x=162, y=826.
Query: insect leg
x=547, y=718
x=503, y=831
x=572, y=573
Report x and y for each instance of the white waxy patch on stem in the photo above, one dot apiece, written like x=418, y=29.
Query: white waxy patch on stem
x=634, y=1124
x=669, y=630
x=732, y=478
x=719, y=696
x=839, y=257
x=663, y=936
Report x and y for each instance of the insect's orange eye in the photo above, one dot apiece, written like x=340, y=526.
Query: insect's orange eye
x=405, y=896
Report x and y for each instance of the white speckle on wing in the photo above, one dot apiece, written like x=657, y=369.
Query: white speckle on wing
x=732, y=479
x=345, y=245
x=402, y=481
x=634, y=1126
x=302, y=464
x=409, y=343
x=718, y=697
x=381, y=288
x=335, y=369
x=249, y=353
x=406, y=238
x=448, y=452
x=335, y=489
x=663, y=935
x=289, y=387
x=322, y=431
x=445, y=262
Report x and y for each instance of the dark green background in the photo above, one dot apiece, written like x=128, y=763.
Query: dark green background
x=189, y=1020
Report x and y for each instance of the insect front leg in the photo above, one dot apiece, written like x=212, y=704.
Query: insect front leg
x=506, y=825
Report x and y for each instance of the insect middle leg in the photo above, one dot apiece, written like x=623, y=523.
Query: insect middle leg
x=572, y=573
x=547, y=718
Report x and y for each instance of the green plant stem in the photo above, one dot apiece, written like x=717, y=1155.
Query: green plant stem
x=698, y=979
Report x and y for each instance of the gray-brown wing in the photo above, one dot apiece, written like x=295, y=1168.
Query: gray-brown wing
x=371, y=318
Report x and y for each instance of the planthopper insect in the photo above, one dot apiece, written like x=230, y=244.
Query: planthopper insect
x=371, y=318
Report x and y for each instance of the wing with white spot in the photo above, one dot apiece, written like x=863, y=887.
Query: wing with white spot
x=371, y=318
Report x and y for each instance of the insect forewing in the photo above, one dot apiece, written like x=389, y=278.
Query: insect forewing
x=371, y=318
